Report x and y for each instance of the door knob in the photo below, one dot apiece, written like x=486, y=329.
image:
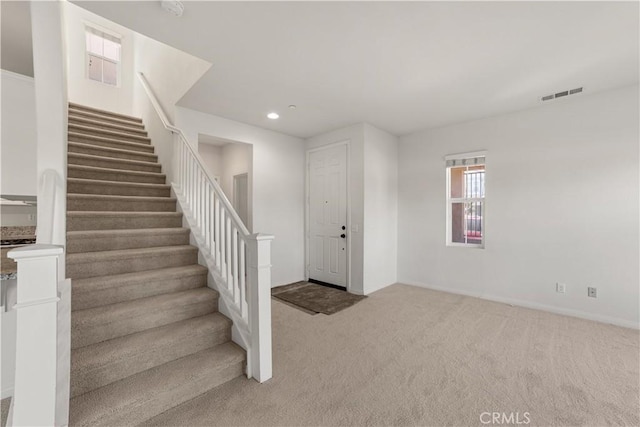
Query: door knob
x=344, y=236
x=344, y=227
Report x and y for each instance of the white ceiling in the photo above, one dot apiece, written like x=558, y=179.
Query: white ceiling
x=401, y=66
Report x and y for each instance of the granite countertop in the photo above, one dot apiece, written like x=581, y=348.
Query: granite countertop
x=13, y=237
x=18, y=232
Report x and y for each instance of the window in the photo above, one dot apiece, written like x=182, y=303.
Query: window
x=103, y=57
x=465, y=199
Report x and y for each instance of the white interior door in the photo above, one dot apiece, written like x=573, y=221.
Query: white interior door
x=328, y=215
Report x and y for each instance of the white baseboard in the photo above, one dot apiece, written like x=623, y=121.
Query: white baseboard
x=532, y=305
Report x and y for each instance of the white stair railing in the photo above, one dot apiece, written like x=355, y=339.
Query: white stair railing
x=239, y=262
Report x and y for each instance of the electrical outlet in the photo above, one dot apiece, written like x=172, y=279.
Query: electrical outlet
x=561, y=288
x=592, y=292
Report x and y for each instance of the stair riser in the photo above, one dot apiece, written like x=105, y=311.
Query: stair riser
x=121, y=266
x=119, y=143
x=81, y=300
x=117, y=327
x=121, y=223
x=102, y=125
x=121, y=205
x=115, y=176
x=132, y=415
x=77, y=109
x=97, y=151
x=78, y=245
x=116, y=190
x=108, y=133
x=177, y=348
x=113, y=163
x=76, y=115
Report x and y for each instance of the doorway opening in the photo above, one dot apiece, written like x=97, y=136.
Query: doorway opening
x=231, y=165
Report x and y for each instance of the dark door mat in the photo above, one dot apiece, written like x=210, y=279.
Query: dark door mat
x=316, y=298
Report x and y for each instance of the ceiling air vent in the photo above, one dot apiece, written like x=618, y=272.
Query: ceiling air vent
x=561, y=94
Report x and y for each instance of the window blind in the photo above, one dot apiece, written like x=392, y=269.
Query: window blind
x=470, y=161
x=104, y=35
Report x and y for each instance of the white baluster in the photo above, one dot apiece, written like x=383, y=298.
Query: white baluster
x=217, y=231
x=236, y=292
x=207, y=235
x=212, y=211
x=192, y=183
x=223, y=245
x=242, y=280
x=229, y=253
x=187, y=182
x=183, y=169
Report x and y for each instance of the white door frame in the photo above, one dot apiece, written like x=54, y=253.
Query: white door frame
x=307, y=207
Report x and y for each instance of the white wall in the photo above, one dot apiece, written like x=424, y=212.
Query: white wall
x=227, y=161
x=19, y=140
x=278, y=185
x=169, y=71
x=380, y=209
x=373, y=194
x=89, y=92
x=562, y=194
x=238, y=159
x=212, y=158
x=355, y=137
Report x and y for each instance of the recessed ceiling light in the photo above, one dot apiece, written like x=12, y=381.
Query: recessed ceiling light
x=293, y=107
x=273, y=116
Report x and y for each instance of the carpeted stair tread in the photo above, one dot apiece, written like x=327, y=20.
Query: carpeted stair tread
x=146, y=334
x=77, y=107
x=115, y=288
x=79, y=114
x=102, y=202
x=108, y=174
x=107, y=322
x=116, y=153
x=117, y=188
x=100, y=364
x=108, y=133
x=101, y=263
x=109, y=142
x=128, y=165
x=110, y=240
x=99, y=124
x=111, y=220
x=139, y=397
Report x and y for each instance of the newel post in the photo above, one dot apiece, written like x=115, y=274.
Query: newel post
x=259, y=301
x=34, y=400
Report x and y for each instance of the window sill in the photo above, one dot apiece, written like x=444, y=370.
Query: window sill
x=464, y=245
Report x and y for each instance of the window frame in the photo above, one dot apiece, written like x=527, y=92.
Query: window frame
x=451, y=200
x=105, y=34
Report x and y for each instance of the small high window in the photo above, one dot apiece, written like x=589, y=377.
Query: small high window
x=103, y=57
x=465, y=199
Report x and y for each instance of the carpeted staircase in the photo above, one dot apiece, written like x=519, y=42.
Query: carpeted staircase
x=146, y=334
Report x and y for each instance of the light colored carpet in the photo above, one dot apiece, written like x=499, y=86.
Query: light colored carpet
x=410, y=356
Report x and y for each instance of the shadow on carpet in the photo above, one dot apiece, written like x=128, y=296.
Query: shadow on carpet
x=313, y=299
